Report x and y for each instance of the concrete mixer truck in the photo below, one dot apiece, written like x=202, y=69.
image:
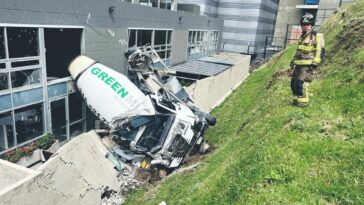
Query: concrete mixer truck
x=153, y=120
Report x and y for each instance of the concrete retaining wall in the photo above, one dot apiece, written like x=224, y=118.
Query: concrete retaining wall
x=212, y=91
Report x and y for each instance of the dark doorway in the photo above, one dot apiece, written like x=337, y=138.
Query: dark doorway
x=62, y=46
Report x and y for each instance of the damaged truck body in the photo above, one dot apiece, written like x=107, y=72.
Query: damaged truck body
x=152, y=119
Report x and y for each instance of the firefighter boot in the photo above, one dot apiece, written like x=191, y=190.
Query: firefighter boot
x=295, y=100
x=304, y=100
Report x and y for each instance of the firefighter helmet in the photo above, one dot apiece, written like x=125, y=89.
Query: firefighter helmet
x=308, y=19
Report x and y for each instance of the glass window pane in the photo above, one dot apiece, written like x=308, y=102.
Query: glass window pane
x=6, y=131
x=2, y=66
x=76, y=129
x=144, y=2
x=57, y=89
x=27, y=97
x=132, y=36
x=198, y=36
x=25, y=77
x=154, y=3
x=24, y=63
x=2, y=43
x=162, y=54
x=160, y=37
x=29, y=122
x=168, y=54
x=4, y=81
x=5, y=102
x=58, y=114
x=144, y=37
x=190, y=36
x=22, y=42
x=75, y=106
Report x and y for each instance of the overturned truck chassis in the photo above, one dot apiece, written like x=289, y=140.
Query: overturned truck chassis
x=160, y=126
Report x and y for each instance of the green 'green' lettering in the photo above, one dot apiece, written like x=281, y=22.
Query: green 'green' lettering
x=116, y=86
x=95, y=70
x=103, y=75
x=123, y=92
x=109, y=80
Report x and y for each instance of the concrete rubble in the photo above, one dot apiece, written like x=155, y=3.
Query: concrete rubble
x=78, y=173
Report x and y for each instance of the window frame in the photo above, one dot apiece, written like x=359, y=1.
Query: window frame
x=158, y=48
x=45, y=102
x=206, y=43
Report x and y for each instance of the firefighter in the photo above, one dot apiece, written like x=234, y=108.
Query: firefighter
x=308, y=56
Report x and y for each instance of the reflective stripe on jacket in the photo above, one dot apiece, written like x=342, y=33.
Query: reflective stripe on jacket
x=309, y=49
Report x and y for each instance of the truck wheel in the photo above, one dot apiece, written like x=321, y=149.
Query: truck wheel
x=210, y=119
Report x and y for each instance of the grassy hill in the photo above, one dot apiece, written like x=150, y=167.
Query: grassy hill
x=270, y=152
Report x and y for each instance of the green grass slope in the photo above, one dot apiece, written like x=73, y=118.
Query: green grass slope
x=270, y=152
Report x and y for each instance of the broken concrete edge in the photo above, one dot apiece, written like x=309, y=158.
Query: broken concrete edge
x=32, y=174
x=242, y=57
x=103, y=150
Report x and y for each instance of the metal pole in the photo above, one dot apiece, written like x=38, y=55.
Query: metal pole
x=286, y=38
x=341, y=1
x=265, y=47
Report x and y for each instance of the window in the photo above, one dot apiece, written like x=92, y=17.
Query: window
x=144, y=37
x=160, y=40
x=2, y=43
x=25, y=112
x=24, y=57
x=62, y=46
x=59, y=122
x=76, y=129
x=163, y=4
x=213, y=42
x=4, y=81
x=25, y=77
x=197, y=44
x=29, y=122
x=201, y=44
x=6, y=131
x=75, y=107
x=22, y=42
x=76, y=114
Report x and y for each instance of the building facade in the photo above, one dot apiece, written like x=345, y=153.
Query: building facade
x=247, y=23
x=38, y=40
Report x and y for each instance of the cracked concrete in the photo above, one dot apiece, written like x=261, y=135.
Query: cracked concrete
x=82, y=181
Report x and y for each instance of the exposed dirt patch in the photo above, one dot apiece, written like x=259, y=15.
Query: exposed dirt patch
x=147, y=176
x=277, y=75
x=195, y=158
x=351, y=36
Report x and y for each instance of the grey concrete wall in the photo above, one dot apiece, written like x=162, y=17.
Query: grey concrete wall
x=179, y=42
x=287, y=14
x=12, y=174
x=326, y=8
x=104, y=31
x=77, y=174
x=212, y=91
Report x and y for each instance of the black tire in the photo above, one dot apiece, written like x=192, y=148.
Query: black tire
x=210, y=119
